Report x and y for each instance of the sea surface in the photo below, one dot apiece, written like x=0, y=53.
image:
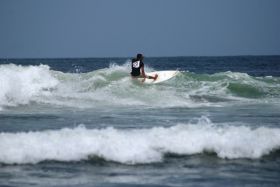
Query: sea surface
x=85, y=122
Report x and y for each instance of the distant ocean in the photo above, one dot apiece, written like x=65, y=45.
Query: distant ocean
x=84, y=122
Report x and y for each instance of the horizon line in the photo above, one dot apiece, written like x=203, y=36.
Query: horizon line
x=179, y=56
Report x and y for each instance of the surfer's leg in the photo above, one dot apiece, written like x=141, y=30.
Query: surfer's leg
x=153, y=77
x=156, y=76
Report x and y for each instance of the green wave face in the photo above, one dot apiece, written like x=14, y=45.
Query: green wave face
x=239, y=84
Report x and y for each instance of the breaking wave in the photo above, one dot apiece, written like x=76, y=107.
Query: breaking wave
x=112, y=86
x=136, y=146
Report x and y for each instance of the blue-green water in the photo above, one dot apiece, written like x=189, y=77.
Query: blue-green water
x=84, y=122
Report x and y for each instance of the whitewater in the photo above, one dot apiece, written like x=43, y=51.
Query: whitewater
x=138, y=146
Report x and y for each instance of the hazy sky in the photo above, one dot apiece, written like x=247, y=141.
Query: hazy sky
x=108, y=28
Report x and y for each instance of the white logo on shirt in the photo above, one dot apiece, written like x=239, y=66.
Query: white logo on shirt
x=136, y=64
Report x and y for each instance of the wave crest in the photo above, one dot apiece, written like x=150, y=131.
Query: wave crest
x=138, y=145
x=19, y=84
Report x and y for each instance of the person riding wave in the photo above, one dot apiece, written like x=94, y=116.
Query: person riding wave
x=137, y=67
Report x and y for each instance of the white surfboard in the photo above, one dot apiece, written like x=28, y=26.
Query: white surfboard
x=162, y=76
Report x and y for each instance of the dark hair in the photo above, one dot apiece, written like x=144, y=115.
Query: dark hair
x=139, y=56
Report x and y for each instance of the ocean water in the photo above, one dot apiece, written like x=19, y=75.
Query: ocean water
x=84, y=122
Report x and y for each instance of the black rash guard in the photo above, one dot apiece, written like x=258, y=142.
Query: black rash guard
x=136, y=66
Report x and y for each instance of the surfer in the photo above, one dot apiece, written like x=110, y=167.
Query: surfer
x=137, y=67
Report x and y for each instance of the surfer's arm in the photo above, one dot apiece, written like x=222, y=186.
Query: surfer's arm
x=143, y=72
x=145, y=76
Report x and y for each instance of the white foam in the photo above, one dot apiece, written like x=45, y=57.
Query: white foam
x=18, y=84
x=138, y=145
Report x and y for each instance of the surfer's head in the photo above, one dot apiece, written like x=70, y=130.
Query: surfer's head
x=140, y=56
